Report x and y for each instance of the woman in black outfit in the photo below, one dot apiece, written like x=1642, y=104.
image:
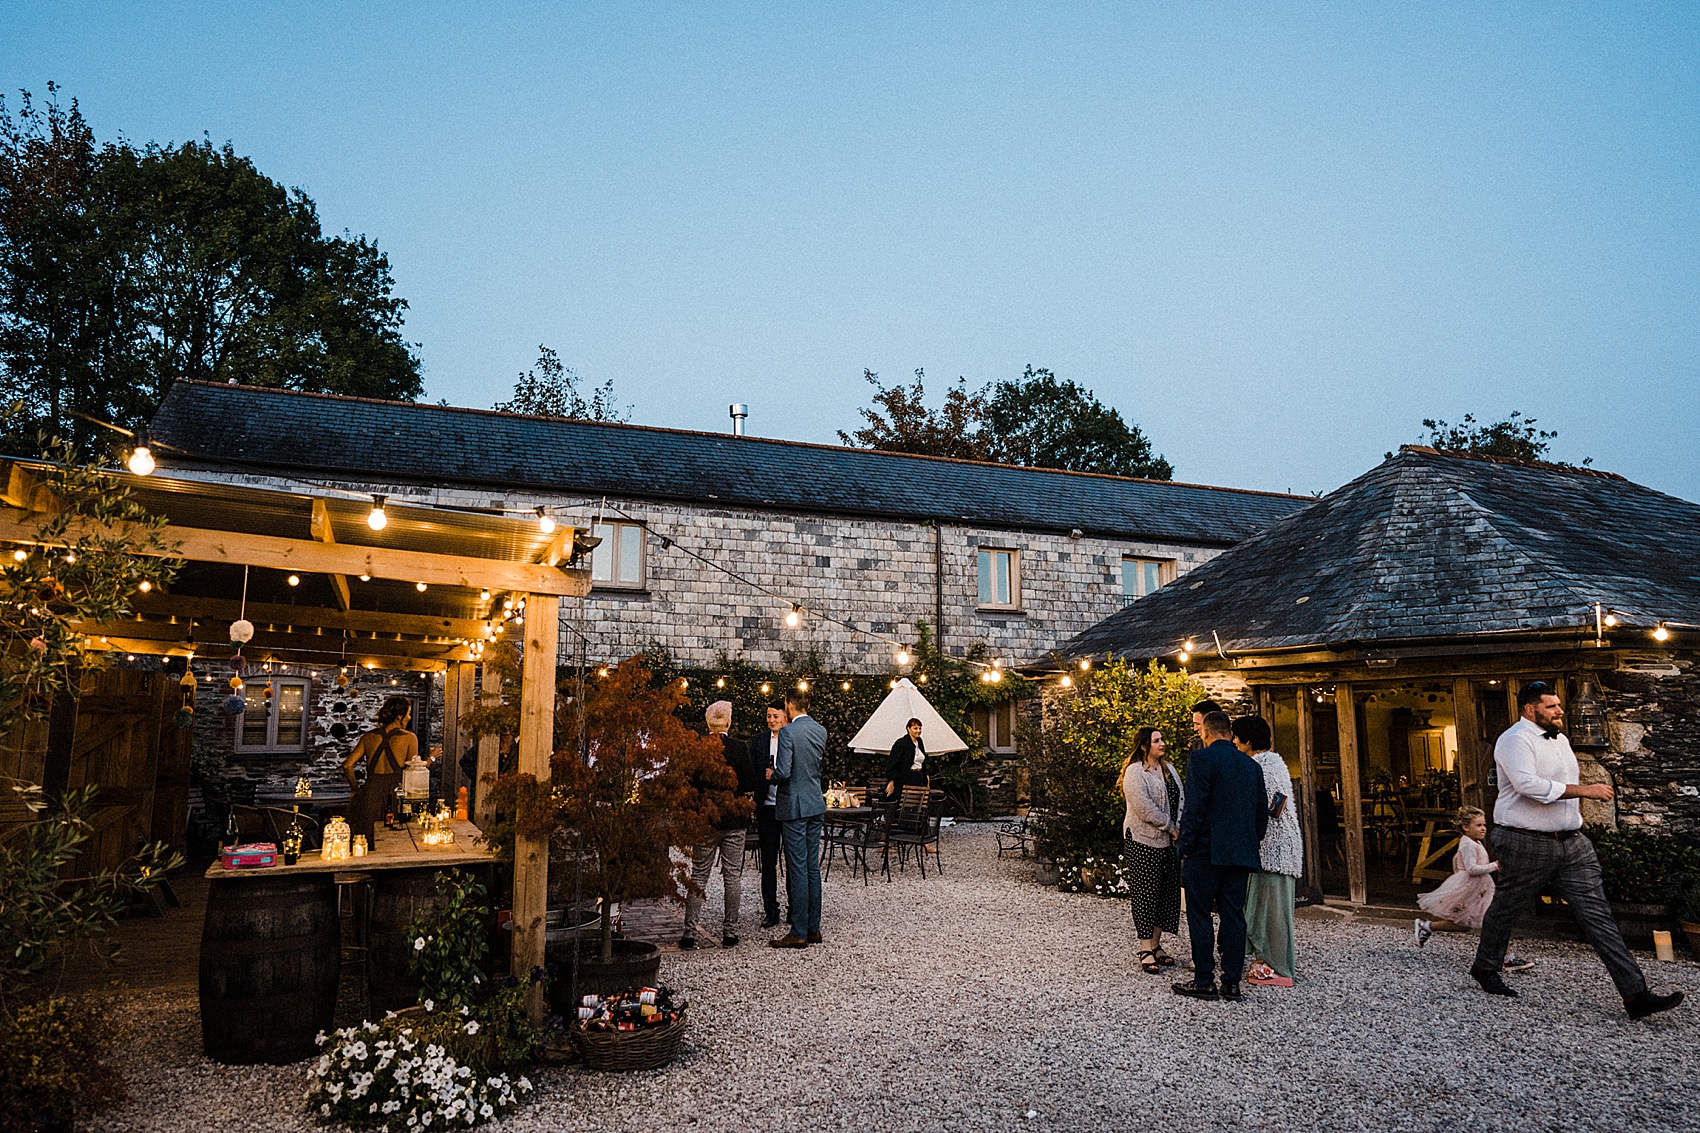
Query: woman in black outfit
x=903, y=769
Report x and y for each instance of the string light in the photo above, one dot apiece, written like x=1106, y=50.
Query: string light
x=903, y=656
x=141, y=460
x=1066, y=681
x=483, y=595
x=20, y=555
x=1660, y=633
x=802, y=686
x=70, y=556
x=794, y=617
x=1611, y=619
x=365, y=578
x=922, y=678
x=545, y=521
x=293, y=580
x=1086, y=664
x=419, y=586
x=144, y=586
x=845, y=686
x=893, y=683
x=721, y=683
x=602, y=672
x=1186, y=655
x=376, y=519
x=766, y=688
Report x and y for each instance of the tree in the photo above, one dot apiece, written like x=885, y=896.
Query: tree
x=551, y=390
x=1034, y=420
x=1043, y=422
x=1515, y=439
x=125, y=269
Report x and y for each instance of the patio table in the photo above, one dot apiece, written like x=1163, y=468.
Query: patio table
x=271, y=944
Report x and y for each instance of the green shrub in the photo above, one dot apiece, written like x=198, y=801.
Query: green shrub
x=1642, y=868
x=55, y=1063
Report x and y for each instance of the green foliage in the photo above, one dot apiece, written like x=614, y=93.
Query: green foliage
x=56, y=1063
x=551, y=390
x=1688, y=899
x=1099, y=876
x=124, y=269
x=1515, y=439
x=45, y=910
x=449, y=942
x=1642, y=868
x=1036, y=420
x=1075, y=760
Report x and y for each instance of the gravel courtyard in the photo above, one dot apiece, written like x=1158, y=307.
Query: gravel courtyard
x=978, y=1000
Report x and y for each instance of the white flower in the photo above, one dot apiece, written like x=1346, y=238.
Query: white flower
x=325, y=1110
x=472, y=1028
x=430, y=1005
x=320, y=1038
x=419, y=944
x=486, y=1112
x=524, y=1083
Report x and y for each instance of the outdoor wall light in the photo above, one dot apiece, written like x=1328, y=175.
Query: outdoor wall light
x=376, y=519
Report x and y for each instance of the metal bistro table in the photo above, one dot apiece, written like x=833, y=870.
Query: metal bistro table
x=271, y=945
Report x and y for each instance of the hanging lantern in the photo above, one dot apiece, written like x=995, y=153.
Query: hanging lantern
x=1587, y=719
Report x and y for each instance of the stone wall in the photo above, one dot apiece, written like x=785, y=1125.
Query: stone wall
x=1652, y=704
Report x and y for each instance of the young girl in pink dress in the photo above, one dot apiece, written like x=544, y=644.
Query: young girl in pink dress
x=1463, y=899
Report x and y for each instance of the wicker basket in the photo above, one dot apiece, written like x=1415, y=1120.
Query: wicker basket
x=648, y=1049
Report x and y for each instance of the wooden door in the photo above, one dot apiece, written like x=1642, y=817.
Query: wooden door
x=113, y=743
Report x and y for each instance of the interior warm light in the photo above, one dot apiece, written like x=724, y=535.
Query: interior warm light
x=376, y=519
x=545, y=521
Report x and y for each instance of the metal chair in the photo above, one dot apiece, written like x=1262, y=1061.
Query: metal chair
x=854, y=838
x=912, y=826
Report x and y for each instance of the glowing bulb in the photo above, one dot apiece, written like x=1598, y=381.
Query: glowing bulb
x=141, y=460
x=845, y=686
x=794, y=617
x=1066, y=680
x=922, y=678
x=419, y=586
x=1190, y=646
x=683, y=683
x=376, y=519
x=721, y=683
x=70, y=556
x=20, y=555
x=144, y=586
x=293, y=580
x=1660, y=633
x=802, y=686
x=1086, y=664
x=545, y=521
x=365, y=578
x=507, y=603
x=997, y=677
x=483, y=595
x=903, y=656
x=1185, y=656
x=766, y=688
x=602, y=672
x=1611, y=619
x=893, y=683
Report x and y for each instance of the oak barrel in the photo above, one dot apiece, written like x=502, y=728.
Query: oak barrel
x=270, y=962
x=399, y=897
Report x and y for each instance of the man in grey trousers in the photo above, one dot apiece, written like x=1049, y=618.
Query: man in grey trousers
x=801, y=810
x=1538, y=833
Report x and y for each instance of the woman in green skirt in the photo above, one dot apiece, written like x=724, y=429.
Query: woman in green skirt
x=1269, y=898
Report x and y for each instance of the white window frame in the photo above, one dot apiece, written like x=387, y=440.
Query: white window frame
x=613, y=532
x=996, y=726
x=1165, y=575
x=985, y=559
x=271, y=747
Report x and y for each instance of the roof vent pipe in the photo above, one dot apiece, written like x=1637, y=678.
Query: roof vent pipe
x=739, y=412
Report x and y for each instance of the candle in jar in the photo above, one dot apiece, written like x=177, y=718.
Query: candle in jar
x=360, y=845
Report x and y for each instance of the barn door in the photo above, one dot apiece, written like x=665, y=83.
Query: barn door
x=114, y=744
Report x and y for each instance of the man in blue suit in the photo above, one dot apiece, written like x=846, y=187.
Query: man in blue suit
x=800, y=807
x=1223, y=824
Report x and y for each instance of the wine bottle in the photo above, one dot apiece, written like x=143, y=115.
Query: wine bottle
x=232, y=836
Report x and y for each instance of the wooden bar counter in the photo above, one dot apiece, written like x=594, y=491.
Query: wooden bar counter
x=271, y=945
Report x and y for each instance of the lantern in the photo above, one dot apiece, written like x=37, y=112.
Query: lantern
x=1587, y=719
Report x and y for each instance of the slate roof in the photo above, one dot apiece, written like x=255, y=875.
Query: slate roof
x=1431, y=545
x=318, y=435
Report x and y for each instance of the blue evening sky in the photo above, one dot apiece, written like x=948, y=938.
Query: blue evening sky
x=1276, y=236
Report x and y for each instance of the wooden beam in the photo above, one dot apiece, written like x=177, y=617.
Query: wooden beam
x=1351, y=792
x=307, y=617
x=306, y=555
x=359, y=649
x=325, y=533
x=536, y=748
x=489, y=744
x=1307, y=794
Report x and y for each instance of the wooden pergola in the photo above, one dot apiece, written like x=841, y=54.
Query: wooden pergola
x=321, y=586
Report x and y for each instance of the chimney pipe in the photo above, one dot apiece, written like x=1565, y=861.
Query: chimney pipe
x=739, y=412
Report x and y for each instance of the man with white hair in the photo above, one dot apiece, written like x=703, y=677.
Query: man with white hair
x=727, y=842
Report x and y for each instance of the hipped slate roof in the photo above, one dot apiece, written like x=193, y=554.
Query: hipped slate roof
x=317, y=435
x=1430, y=545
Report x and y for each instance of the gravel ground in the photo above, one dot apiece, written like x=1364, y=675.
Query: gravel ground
x=978, y=1000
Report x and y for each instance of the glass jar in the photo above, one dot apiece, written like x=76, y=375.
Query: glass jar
x=338, y=839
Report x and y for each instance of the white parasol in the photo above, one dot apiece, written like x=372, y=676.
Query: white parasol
x=905, y=703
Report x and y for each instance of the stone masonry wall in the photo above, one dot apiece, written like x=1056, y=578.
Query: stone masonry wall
x=1652, y=704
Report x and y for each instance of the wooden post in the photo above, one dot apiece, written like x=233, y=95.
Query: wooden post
x=536, y=747
x=1307, y=795
x=489, y=744
x=1472, y=753
x=1351, y=792
x=457, y=701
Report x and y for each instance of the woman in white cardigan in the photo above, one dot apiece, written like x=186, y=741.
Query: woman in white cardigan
x=1270, y=893
x=1154, y=798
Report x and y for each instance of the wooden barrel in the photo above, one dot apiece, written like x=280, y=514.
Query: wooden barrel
x=399, y=897
x=270, y=962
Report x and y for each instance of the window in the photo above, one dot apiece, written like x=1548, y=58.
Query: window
x=996, y=727
x=1142, y=576
x=1000, y=578
x=618, y=561
x=278, y=725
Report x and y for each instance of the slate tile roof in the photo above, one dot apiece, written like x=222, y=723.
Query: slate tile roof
x=328, y=437
x=1431, y=545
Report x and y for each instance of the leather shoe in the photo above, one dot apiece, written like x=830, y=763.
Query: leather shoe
x=789, y=940
x=1492, y=983
x=770, y=921
x=1231, y=992
x=730, y=940
x=687, y=942
x=1195, y=990
x=1648, y=1003
x=814, y=938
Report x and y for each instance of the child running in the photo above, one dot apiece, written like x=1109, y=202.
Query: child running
x=1463, y=899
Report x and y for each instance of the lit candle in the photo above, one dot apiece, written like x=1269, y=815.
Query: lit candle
x=1662, y=945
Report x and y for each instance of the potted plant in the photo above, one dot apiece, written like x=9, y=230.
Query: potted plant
x=643, y=782
x=1640, y=872
x=1688, y=911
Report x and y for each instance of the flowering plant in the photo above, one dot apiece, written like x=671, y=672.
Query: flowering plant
x=450, y=941
x=409, y=1072
x=1105, y=877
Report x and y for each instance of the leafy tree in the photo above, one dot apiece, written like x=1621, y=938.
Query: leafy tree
x=1035, y=420
x=1041, y=421
x=1516, y=438
x=1077, y=756
x=551, y=390
x=907, y=425
x=125, y=269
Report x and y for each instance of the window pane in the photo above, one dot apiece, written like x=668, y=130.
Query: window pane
x=291, y=714
x=985, y=578
x=1003, y=558
x=1153, y=578
x=631, y=554
x=254, y=714
x=1130, y=578
x=602, y=559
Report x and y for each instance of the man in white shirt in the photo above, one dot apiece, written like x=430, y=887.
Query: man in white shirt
x=764, y=752
x=1538, y=833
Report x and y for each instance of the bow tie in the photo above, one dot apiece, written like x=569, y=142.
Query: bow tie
x=1551, y=733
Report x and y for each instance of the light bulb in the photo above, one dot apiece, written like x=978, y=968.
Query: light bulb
x=293, y=580
x=20, y=555
x=144, y=586
x=1185, y=656
x=893, y=683
x=721, y=683
x=802, y=686
x=1660, y=633
x=766, y=688
x=1066, y=680
x=376, y=519
x=483, y=595
x=365, y=578
x=794, y=617
x=1190, y=646
x=419, y=586
x=845, y=686
x=1086, y=664
x=903, y=656
x=922, y=678
x=141, y=460
x=1611, y=619
x=545, y=521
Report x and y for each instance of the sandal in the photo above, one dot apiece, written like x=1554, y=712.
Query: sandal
x=1260, y=972
x=1164, y=958
x=1148, y=961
